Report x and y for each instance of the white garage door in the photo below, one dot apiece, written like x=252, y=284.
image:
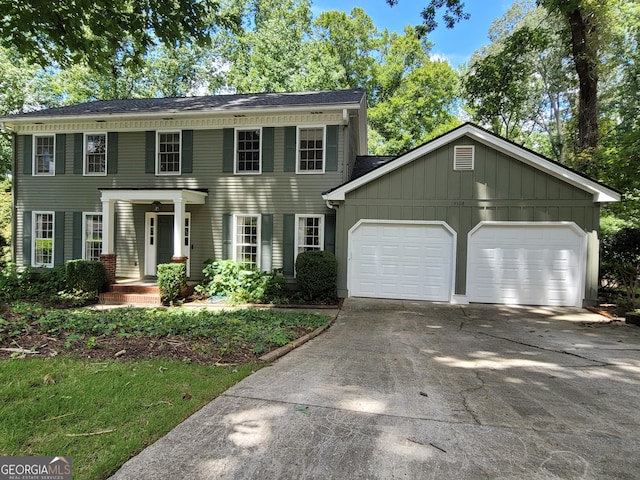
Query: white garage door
x=403, y=260
x=526, y=263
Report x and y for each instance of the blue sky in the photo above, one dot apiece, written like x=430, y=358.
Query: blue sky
x=455, y=44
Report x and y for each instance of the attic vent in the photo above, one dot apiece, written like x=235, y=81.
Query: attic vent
x=463, y=156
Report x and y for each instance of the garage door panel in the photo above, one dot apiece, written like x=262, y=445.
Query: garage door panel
x=526, y=264
x=406, y=261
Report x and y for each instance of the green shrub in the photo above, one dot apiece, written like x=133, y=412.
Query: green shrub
x=87, y=276
x=172, y=278
x=317, y=275
x=226, y=278
x=620, y=254
x=30, y=284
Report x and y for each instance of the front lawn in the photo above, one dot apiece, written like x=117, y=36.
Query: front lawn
x=105, y=384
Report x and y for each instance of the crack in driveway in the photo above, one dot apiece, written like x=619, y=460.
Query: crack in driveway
x=596, y=363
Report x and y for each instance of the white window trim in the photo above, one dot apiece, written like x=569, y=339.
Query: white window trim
x=168, y=174
x=297, y=229
x=235, y=151
x=33, y=238
x=84, y=155
x=235, y=236
x=52, y=165
x=84, y=231
x=324, y=150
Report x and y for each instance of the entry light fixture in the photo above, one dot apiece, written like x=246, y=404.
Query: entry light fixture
x=156, y=206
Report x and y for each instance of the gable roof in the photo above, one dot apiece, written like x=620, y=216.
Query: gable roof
x=365, y=163
x=601, y=193
x=191, y=105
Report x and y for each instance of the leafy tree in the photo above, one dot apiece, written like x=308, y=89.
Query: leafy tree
x=70, y=31
x=415, y=98
x=585, y=22
x=520, y=85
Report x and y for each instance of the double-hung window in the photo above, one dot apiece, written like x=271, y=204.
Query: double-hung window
x=310, y=150
x=246, y=240
x=95, y=154
x=43, y=235
x=248, y=147
x=44, y=155
x=168, y=153
x=92, y=236
x=310, y=233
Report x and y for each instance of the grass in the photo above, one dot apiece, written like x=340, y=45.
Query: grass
x=52, y=406
x=101, y=412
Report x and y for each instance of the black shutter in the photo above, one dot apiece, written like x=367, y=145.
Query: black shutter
x=150, y=152
x=290, y=149
x=332, y=148
x=330, y=233
x=27, y=154
x=60, y=155
x=58, y=254
x=266, y=242
x=288, y=243
x=228, y=137
x=112, y=152
x=227, y=240
x=78, y=160
x=187, y=151
x=26, y=237
x=77, y=235
x=268, y=134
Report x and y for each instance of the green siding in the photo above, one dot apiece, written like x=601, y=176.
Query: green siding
x=272, y=193
x=498, y=189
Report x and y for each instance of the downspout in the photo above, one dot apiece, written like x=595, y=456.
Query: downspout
x=14, y=194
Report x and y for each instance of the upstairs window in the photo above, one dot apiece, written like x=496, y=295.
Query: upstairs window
x=168, y=153
x=95, y=158
x=42, y=247
x=311, y=150
x=310, y=233
x=248, y=151
x=246, y=240
x=92, y=235
x=44, y=155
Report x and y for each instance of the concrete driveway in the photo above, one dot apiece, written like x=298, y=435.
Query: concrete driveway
x=419, y=390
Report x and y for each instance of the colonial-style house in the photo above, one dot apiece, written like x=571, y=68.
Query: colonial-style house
x=467, y=217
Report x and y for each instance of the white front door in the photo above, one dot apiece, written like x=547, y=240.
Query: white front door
x=159, y=237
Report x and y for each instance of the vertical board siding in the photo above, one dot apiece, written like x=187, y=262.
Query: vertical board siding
x=498, y=189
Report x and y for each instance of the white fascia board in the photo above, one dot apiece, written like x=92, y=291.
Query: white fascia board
x=600, y=192
x=151, y=195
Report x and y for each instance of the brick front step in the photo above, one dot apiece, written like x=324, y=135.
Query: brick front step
x=125, y=288
x=119, y=298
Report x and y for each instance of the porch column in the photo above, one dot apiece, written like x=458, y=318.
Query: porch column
x=178, y=231
x=108, y=255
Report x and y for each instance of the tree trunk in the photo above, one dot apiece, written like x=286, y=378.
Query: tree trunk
x=584, y=43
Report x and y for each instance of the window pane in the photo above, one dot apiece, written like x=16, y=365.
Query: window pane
x=248, y=155
x=309, y=233
x=311, y=151
x=44, y=155
x=169, y=152
x=246, y=240
x=93, y=237
x=96, y=153
x=43, y=239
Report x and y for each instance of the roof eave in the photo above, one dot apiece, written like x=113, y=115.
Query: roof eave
x=10, y=121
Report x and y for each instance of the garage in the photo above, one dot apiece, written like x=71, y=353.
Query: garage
x=402, y=260
x=527, y=263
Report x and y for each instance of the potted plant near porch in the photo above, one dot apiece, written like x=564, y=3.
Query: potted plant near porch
x=621, y=257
